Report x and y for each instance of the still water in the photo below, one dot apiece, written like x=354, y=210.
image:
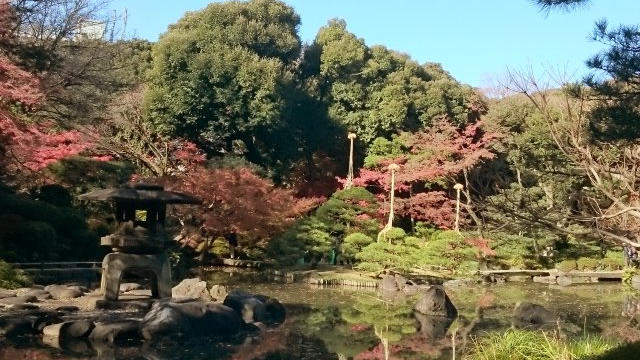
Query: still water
x=345, y=323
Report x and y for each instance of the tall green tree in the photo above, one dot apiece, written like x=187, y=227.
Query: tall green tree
x=377, y=92
x=222, y=76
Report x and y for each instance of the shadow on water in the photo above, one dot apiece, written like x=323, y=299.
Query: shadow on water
x=348, y=323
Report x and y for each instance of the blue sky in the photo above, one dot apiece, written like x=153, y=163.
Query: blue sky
x=475, y=40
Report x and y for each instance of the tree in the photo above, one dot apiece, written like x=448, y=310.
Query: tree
x=376, y=92
x=221, y=76
x=236, y=202
x=432, y=161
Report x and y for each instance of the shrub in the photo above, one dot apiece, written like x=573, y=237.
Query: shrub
x=567, y=265
x=11, y=278
x=353, y=244
x=394, y=235
x=585, y=263
x=612, y=264
x=220, y=248
x=613, y=260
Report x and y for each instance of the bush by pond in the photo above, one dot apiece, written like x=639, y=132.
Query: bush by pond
x=11, y=278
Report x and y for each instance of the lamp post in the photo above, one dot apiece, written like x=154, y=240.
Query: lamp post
x=349, y=183
x=458, y=187
x=393, y=168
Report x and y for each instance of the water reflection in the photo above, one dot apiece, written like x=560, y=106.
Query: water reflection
x=343, y=323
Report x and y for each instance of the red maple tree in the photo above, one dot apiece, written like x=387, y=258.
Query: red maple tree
x=26, y=146
x=437, y=158
x=236, y=200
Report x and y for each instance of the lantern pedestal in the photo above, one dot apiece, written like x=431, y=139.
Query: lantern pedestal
x=115, y=264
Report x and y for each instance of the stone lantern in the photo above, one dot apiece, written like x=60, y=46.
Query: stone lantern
x=139, y=241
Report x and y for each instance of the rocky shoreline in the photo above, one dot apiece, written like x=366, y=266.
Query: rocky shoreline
x=72, y=318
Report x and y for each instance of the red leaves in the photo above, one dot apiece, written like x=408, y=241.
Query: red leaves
x=433, y=207
x=237, y=200
x=482, y=245
x=436, y=159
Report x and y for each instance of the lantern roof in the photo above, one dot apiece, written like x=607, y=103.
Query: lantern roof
x=140, y=192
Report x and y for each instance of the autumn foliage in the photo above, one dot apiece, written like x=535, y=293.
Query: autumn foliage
x=431, y=162
x=236, y=200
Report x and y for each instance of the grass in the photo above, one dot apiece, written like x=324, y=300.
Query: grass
x=537, y=345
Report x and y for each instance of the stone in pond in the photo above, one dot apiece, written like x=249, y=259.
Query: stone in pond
x=255, y=307
x=118, y=332
x=433, y=327
x=435, y=302
x=531, y=315
x=194, y=318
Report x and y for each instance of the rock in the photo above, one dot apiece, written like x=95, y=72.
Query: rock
x=191, y=288
x=194, y=318
x=401, y=281
x=564, y=281
x=458, y=283
x=39, y=294
x=435, y=302
x=65, y=291
x=67, y=308
x=531, y=315
x=26, y=322
x=544, y=279
x=25, y=306
x=18, y=299
x=388, y=283
x=126, y=287
x=635, y=281
x=80, y=329
x=218, y=293
x=82, y=289
x=123, y=305
x=16, y=326
x=68, y=330
x=256, y=308
x=7, y=293
x=519, y=278
x=115, y=332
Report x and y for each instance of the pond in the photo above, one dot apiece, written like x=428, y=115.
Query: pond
x=347, y=323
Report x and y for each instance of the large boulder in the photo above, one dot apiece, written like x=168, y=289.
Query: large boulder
x=192, y=289
x=68, y=330
x=256, y=308
x=435, y=302
x=532, y=315
x=118, y=332
x=194, y=318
